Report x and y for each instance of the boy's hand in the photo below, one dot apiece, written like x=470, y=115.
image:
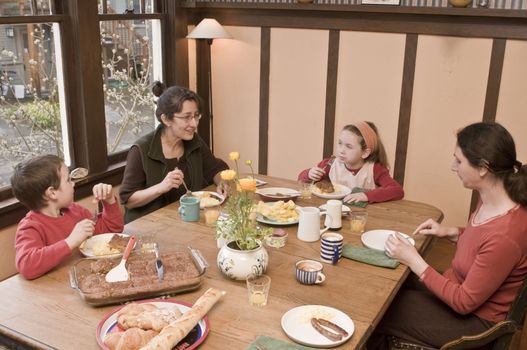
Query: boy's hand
x=103, y=192
x=83, y=230
x=316, y=173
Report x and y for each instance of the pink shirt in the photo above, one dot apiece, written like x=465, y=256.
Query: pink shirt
x=488, y=268
x=40, y=239
x=386, y=188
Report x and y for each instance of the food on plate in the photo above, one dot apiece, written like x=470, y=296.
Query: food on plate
x=324, y=186
x=118, y=242
x=206, y=199
x=101, y=247
x=172, y=334
x=131, y=339
x=278, y=211
x=180, y=273
x=328, y=329
x=147, y=316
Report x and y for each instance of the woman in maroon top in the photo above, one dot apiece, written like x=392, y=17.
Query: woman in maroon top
x=490, y=263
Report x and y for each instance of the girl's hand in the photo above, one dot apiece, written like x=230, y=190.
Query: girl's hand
x=82, y=231
x=432, y=228
x=398, y=247
x=356, y=197
x=222, y=188
x=316, y=173
x=103, y=192
x=174, y=179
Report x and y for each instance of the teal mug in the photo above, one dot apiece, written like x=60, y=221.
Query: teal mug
x=189, y=208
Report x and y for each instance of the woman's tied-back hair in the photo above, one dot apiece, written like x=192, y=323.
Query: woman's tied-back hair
x=32, y=178
x=171, y=100
x=490, y=145
x=376, y=156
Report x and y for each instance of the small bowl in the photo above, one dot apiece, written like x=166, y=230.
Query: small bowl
x=273, y=194
x=276, y=241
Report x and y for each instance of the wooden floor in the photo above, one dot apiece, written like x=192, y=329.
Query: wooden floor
x=440, y=256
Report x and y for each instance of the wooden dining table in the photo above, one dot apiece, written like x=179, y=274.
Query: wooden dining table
x=46, y=313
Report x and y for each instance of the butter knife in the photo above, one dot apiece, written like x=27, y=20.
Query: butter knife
x=159, y=264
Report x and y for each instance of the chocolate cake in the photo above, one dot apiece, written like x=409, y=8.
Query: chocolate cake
x=180, y=273
x=118, y=242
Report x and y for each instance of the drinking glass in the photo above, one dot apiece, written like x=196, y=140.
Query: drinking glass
x=211, y=215
x=304, y=189
x=358, y=221
x=258, y=287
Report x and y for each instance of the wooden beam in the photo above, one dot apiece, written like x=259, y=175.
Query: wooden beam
x=263, y=134
x=331, y=92
x=405, y=107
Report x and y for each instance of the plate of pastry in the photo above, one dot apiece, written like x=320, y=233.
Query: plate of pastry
x=277, y=213
x=318, y=326
x=208, y=198
x=123, y=324
x=104, y=245
x=325, y=189
x=375, y=239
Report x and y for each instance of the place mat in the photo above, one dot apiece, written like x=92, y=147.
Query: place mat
x=357, y=204
x=369, y=256
x=274, y=344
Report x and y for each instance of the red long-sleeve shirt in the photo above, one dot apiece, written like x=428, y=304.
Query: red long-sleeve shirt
x=488, y=268
x=40, y=239
x=386, y=188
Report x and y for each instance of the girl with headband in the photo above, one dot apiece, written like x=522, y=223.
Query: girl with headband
x=360, y=164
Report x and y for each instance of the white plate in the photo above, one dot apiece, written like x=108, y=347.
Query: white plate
x=341, y=191
x=345, y=209
x=86, y=247
x=277, y=193
x=375, y=239
x=260, y=218
x=196, y=336
x=296, y=323
x=211, y=194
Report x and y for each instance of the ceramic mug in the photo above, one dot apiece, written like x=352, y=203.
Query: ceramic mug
x=309, y=224
x=309, y=272
x=331, y=247
x=189, y=208
x=334, y=210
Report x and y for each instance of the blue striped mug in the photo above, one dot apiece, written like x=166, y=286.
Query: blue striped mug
x=309, y=272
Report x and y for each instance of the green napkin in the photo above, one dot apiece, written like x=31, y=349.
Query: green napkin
x=274, y=344
x=369, y=256
x=357, y=204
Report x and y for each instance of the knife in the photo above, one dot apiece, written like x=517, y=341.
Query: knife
x=159, y=264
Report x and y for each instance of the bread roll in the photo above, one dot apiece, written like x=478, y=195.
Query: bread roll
x=147, y=316
x=131, y=339
x=172, y=334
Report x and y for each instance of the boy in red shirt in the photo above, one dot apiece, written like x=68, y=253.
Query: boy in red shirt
x=55, y=225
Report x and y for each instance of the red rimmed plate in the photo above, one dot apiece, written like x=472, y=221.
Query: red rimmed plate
x=196, y=336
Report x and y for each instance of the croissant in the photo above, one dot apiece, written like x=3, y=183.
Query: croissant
x=146, y=316
x=131, y=339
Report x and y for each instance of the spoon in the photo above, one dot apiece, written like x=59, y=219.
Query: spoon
x=189, y=192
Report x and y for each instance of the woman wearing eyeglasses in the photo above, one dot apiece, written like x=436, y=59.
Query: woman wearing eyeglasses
x=159, y=162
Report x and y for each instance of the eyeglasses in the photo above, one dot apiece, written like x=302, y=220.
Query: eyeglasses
x=187, y=118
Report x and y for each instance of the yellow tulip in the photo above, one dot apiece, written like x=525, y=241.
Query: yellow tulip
x=228, y=175
x=234, y=156
x=248, y=185
x=249, y=162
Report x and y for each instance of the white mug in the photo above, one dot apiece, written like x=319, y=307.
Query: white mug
x=334, y=209
x=309, y=224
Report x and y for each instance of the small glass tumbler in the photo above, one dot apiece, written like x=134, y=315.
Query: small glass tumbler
x=358, y=221
x=211, y=215
x=147, y=241
x=305, y=190
x=258, y=287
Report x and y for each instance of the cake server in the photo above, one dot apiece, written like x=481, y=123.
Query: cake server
x=120, y=273
x=159, y=264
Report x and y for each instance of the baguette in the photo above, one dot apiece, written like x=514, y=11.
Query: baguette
x=172, y=334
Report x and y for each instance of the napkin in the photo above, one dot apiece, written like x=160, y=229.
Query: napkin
x=357, y=204
x=369, y=256
x=269, y=343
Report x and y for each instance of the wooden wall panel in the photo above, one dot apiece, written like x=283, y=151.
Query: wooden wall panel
x=235, y=83
x=192, y=73
x=512, y=103
x=297, y=99
x=369, y=83
x=449, y=92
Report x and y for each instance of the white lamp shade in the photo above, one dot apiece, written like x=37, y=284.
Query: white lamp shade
x=209, y=28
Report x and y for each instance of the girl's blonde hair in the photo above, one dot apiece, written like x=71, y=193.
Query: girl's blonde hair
x=376, y=156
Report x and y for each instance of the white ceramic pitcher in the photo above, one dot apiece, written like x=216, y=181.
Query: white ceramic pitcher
x=309, y=224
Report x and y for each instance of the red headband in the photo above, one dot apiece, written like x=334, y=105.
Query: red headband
x=368, y=134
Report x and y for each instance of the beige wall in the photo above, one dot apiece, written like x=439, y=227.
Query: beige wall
x=449, y=92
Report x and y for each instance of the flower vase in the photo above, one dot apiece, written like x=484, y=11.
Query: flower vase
x=238, y=264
